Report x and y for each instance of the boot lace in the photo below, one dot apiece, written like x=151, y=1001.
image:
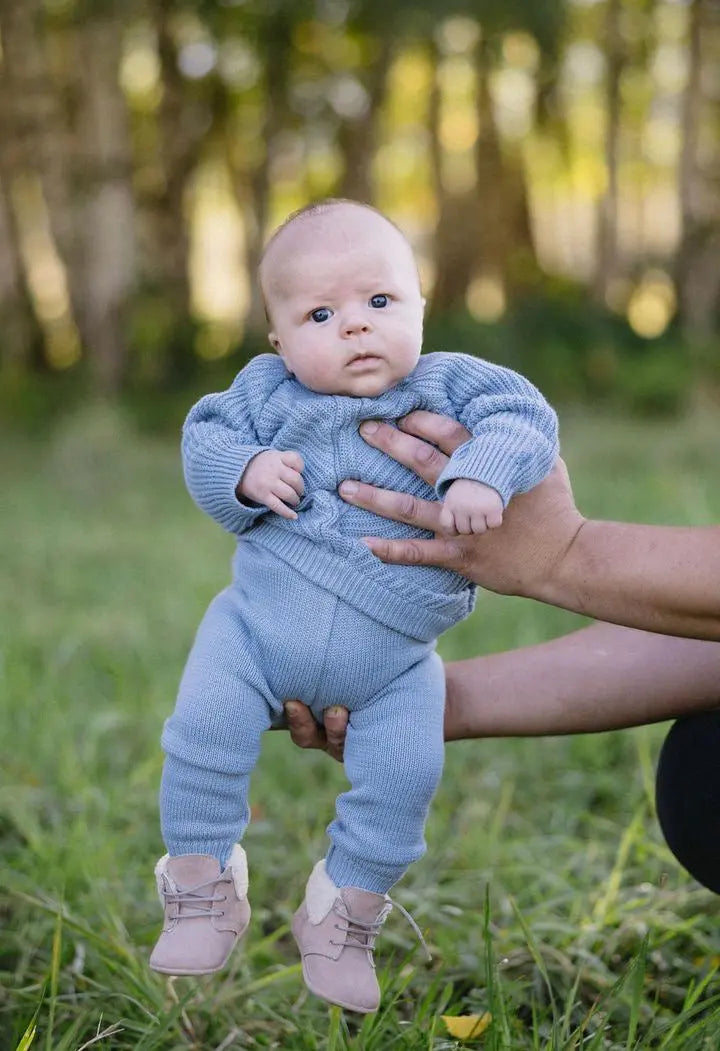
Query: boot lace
x=194, y=902
x=361, y=934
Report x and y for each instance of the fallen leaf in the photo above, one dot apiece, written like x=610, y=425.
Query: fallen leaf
x=467, y=1027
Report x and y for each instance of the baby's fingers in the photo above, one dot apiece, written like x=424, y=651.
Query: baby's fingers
x=279, y=507
x=463, y=523
x=286, y=493
x=293, y=459
x=447, y=522
x=494, y=519
x=479, y=523
x=293, y=478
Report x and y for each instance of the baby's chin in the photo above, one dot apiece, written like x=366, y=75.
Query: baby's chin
x=367, y=388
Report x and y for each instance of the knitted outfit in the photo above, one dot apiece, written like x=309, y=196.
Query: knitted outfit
x=312, y=614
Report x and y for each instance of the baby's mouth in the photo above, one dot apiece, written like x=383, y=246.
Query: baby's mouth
x=364, y=360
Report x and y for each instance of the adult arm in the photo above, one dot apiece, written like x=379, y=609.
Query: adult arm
x=604, y=677
x=659, y=578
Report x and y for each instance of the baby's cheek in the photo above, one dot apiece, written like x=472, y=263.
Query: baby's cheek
x=317, y=376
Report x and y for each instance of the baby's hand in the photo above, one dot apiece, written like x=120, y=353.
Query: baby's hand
x=273, y=478
x=470, y=507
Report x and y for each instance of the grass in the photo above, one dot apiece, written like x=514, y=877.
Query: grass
x=547, y=896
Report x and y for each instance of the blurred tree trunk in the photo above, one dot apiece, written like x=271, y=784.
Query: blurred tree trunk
x=83, y=167
x=182, y=127
x=40, y=142
x=486, y=229
x=108, y=213
x=698, y=262
x=607, y=222
x=491, y=175
x=357, y=137
x=252, y=185
x=507, y=245
x=458, y=232
x=22, y=340
x=523, y=269
x=21, y=346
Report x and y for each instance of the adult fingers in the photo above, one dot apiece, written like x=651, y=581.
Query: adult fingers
x=442, y=431
x=402, y=507
x=423, y=459
x=304, y=731
x=335, y=720
x=449, y=554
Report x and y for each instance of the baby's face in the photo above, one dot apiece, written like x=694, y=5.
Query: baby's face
x=345, y=303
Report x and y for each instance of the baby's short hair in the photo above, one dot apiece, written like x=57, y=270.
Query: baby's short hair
x=318, y=208
x=313, y=210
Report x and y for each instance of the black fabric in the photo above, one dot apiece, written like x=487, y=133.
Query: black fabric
x=687, y=791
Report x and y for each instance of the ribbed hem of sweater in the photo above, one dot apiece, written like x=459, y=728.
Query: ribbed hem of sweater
x=360, y=588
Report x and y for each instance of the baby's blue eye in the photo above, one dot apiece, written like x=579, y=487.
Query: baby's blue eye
x=321, y=314
x=379, y=301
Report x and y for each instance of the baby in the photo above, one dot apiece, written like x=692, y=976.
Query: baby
x=311, y=614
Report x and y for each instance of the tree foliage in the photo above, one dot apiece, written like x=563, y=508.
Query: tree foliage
x=519, y=144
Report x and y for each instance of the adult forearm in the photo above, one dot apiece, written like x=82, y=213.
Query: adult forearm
x=660, y=578
x=603, y=677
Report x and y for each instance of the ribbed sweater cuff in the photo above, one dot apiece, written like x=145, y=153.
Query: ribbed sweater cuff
x=217, y=496
x=488, y=462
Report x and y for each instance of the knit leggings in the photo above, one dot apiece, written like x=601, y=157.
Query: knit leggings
x=271, y=636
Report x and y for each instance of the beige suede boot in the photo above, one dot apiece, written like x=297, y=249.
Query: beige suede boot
x=206, y=911
x=335, y=930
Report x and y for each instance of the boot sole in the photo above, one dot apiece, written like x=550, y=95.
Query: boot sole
x=177, y=973
x=193, y=972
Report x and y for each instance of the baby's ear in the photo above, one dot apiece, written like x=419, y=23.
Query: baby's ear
x=277, y=347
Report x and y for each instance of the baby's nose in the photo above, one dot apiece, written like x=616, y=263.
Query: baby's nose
x=353, y=326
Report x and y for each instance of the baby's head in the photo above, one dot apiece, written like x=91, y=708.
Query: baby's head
x=343, y=299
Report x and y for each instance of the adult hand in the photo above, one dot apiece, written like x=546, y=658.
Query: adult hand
x=518, y=558
x=307, y=733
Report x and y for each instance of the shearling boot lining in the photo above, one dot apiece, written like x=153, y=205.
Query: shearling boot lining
x=237, y=863
x=320, y=894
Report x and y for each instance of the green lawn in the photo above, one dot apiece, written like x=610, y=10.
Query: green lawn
x=547, y=895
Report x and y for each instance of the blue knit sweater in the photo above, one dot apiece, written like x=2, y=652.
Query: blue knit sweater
x=513, y=447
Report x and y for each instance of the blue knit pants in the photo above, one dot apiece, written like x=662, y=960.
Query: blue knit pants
x=272, y=636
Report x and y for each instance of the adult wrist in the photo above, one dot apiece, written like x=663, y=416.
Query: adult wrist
x=456, y=723
x=564, y=581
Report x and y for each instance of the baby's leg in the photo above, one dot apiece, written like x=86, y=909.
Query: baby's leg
x=212, y=740
x=393, y=760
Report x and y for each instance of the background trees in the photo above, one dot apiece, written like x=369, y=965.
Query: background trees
x=555, y=164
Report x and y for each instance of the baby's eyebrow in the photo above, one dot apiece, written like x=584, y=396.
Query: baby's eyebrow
x=312, y=298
